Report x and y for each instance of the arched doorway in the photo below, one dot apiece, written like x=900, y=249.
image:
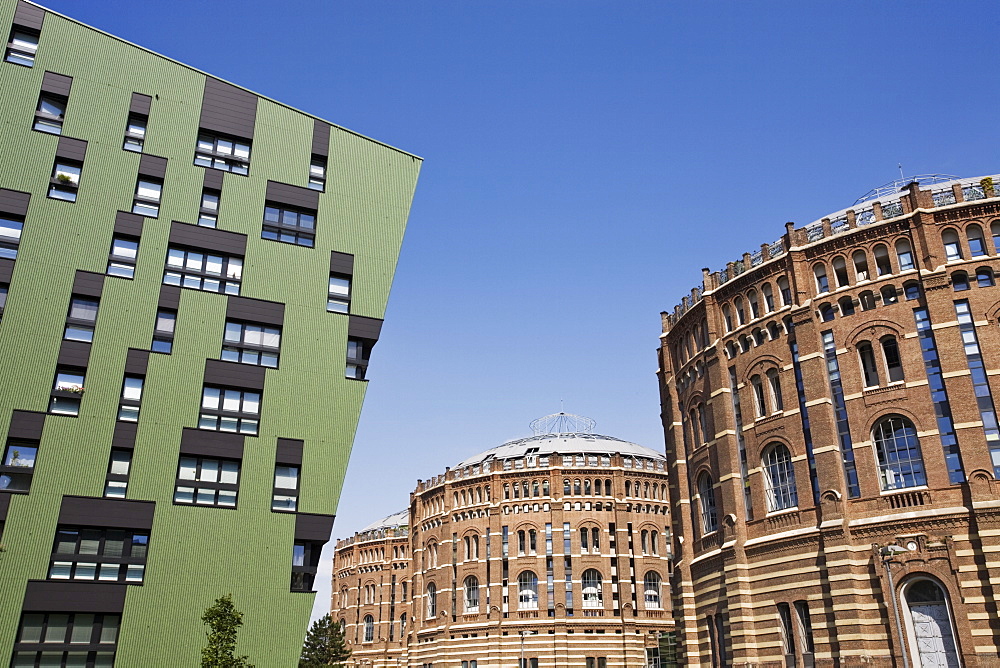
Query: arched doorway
x=932, y=636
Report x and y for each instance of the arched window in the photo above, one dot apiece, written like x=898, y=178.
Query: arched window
x=768, y=297
x=402, y=625
x=471, y=594
x=773, y=331
x=893, y=363
x=822, y=284
x=779, y=478
x=595, y=540
x=867, y=299
x=889, y=295
x=995, y=231
x=651, y=586
x=984, y=277
x=741, y=313
x=593, y=597
x=774, y=384
x=506, y=491
x=644, y=541
x=786, y=292
x=653, y=539
x=840, y=271
x=977, y=244
x=860, y=259
x=928, y=622
x=826, y=312
x=868, y=368
x=545, y=488
x=759, y=404
x=527, y=591
x=911, y=290
x=695, y=435
x=746, y=343
x=904, y=255
x=706, y=502
x=731, y=350
x=432, y=605
x=597, y=487
x=628, y=488
x=846, y=306
x=521, y=542
x=882, y=263
x=369, y=628
x=754, y=304
x=900, y=463
x=727, y=314
x=758, y=336
x=566, y=487
x=586, y=486
x=607, y=487
x=703, y=422
x=534, y=488
x=960, y=281
x=576, y=487
x=952, y=247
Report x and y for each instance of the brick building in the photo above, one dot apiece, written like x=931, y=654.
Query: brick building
x=830, y=418
x=551, y=549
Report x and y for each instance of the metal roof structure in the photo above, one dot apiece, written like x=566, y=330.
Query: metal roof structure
x=400, y=519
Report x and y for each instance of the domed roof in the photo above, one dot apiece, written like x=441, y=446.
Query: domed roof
x=550, y=439
x=402, y=518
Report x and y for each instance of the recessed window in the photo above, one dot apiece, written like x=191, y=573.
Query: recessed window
x=119, y=465
x=358, y=351
x=229, y=409
x=286, y=488
x=128, y=408
x=65, y=180
x=17, y=465
x=105, y=555
x=208, y=212
x=81, y=319
x=317, y=173
x=66, y=391
x=22, y=47
x=50, y=114
x=92, y=637
x=248, y=343
x=163, y=333
x=225, y=153
x=339, y=300
x=305, y=562
x=289, y=226
x=198, y=270
x=121, y=258
x=147, y=197
x=10, y=236
x=135, y=133
x=207, y=482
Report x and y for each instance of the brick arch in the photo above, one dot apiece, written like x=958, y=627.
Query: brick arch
x=873, y=330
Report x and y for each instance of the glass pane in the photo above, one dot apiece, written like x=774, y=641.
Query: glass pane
x=227, y=498
x=271, y=215
x=133, y=388
x=209, y=470
x=340, y=286
x=235, y=268
x=76, y=660
x=114, y=543
x=269, y=360
x=104, y=660
x=31, y=628
x=64, y=406
x=337, y=306
x=230, y=355
x=78, y=334
x=128, y=413
x=208, y=422
x=165, y=321
x=188, y=468
x=210, y=285
x=51, y=107
x=193, y=261
x=109, y=572
x=213, y=265
x=210, y=398
x=206, y=497
x=137, y=128
x=121, y=270
x=57, y=629
x=162, y=346
x=60, y=570
x=248, y=427
x=230, y=473
x=115, y=489
x=271, y=337
x=109, y=631
x=281, y=502
x=231, y=400
x=148, y=189
x=10, y=230
x=134, y=573
x=85, y=571
x=124, y=248
x=250, y=357
x=241, y=151
x=140, y=542
x=224, y=147
x=205, y=144
x=229, y=424
x=209, y=201
x=251, y=403
x=184, y=495
x=252, y=334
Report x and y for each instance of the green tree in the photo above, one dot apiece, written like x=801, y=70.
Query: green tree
x=224, y=620
x=324, y=645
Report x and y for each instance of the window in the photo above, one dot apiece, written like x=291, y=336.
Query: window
x=208, y=211
x=147, y=197
x=911, y=290
x=826, y=312
x=339, y=300
x=431, y=601
x=358, y=351
x=977, y=244
x=787, y=633
x=846, y=306
x=805, y=628
x=868, y=367
x=251, y=344
x=593, y=596
x=651, y=585
x=984, y=277
x=369, y=628
x=225, y=153
x=22, y=47
x=128, y=408
x=305, y=562
x=754, y=304
x=840, y=272
x=317, y=172
x=56, y=639
x=402, y=623
x=893, y=363
x=904, y=255
x=882, y=264
x=229, y=409
x=889, y=294
x=727, y=313
x=779, y=478
x=898, y=451
x=786, y=292
x=774, y=383
x=768, y=293
x=286, y=488
x=50, y=114
x=471, y=594
x=867, y=299
x=822, y=284
x=527, y=591
x=860, y=259
x=960, y=281
x=65, y=180
x=706, y=502
x=202, y=271
x=10, y=236
x=289, y=226
x=118, y=469
x=135, y=133
x=952, y=247
x=741, y=314
x=207, y=482
x=759, y=404
x=121, y=258
x=106, y=555
x=66, y=391
x=81, y=319
x=163, y=334
x=18, y=465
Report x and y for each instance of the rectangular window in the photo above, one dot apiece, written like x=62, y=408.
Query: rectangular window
x=163, y=334
x=3, y=297
x=147, y=197
x=65, y=180
x=22, y=47
x=980, y=381
x=358, y=351
x=208, y=212
x=105, y=555
x=229, y=409
x=339, y=300
x=251, y=344
x=286, y=488
x=66, y=639
x=116, y=483
x=207, y=482
x=198, y=270
x=226, y=153
x=317, y=172
x=50, y=114
x=305, y=562
x=135, y=132
x=10, y=236
x=17, y=465
x=66, y=391
x=290, y=226
x=81, y=319
x=121, y=258
x=128, y=408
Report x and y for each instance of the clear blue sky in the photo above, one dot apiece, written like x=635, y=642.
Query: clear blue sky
x=583, y=161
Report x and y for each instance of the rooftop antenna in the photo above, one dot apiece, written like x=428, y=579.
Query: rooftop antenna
x=901, y=177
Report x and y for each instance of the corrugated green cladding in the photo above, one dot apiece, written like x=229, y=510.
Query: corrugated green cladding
x=195, y=554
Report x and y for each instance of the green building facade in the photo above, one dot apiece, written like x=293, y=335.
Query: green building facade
x=192, y=278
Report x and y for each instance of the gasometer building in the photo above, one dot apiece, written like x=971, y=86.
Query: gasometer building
x=192, y=279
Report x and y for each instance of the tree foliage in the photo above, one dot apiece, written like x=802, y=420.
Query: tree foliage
x=325, y=645
x=224, y=621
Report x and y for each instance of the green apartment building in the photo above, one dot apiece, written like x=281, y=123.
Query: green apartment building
x=192, y=278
